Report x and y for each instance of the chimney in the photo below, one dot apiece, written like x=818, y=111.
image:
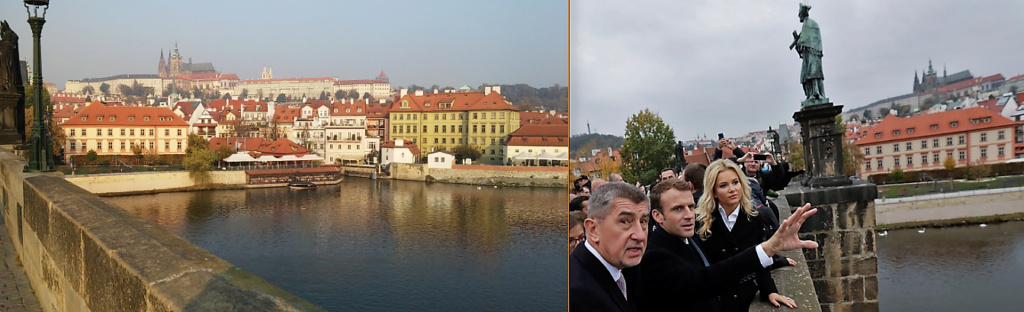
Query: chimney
x=367, y=100
x=497, y=89
x=419, y=92
x=381, y=101
x=609, y=151
x=399, y=142
x=435, y=91
x=487, y=90
x=404, y=91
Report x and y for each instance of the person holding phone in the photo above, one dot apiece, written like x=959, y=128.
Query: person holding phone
x=726, y=143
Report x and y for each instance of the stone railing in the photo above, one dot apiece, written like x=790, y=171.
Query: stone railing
x=83, y=254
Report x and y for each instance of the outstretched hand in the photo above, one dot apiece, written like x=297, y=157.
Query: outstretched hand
x=787, y=238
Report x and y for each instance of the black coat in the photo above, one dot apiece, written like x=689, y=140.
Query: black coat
x=723, y=244
x=675, y=276
x=591, y=287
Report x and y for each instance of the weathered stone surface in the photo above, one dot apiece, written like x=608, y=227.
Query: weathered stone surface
x=829, y=290
x=108, y=285
x=852, y=243
x=37, y=212
x=797, y=195
x=816, y=268
x=853, y=288
x=823, y=220
x=866, y=266
x=871, y=288
x=864, y=307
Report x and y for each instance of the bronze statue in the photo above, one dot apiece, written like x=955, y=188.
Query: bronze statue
x=12, y=89
x=808, y=46
x=10, y=69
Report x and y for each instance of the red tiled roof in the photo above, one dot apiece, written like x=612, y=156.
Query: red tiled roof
x=382, y=74
x=883, y=131
x=97, y=114
x=209, y=76
x=354, y=109
x=459, y=101
x=990, y=104
x=289, y=79
x=539, y=135
x=411, y=146
x=67, y=99
x=358, y=81
x=970, y=83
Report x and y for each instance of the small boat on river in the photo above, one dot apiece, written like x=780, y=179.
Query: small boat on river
x=301, y=185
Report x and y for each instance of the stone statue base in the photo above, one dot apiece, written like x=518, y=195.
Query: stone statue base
x=8, y=124
x=823, y=146
x=813, y=102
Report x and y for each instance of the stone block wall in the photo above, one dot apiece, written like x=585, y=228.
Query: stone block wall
x=81, y=253
x=844, y=266
x=149, y=181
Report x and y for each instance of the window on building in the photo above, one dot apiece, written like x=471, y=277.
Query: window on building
x=84, y=144
x=167, y=146
x=879, y=163
x=878, y=135
x=435, y=140
x=179, y=132
x=435, y=116
x=424, y=128
x=502, y=127
x=896, y=161
x=110, y=132
x=935, y=158
x=934, y=127
x=72, y=145
x=924, y=159
x=909, y=146
x=1002, y=151
x=960, y=139
x=474, y=115
x=924, y=144
x=953, y=124
x=435, y=128
x=460, y=127
x=131, y=132
x=150, y=132
x=492, y=129
x=910, y=130
x=1002, y=134
x=896, y=147
x=151, y=144
x=444, y=140
x=963, y=155
x=910, y=160
x=110, y=146
x=949, y=141
x=99, y=132
x=984, y=152
x=167, y=132
x=867, y=165
x=453, y=128
x=122, y=145
x=867, y=151
x=984, y=137
x=474, y=128
x=179, y=145
x=72, y=134
x=935, y=142
x=895, y=132
x=878, y=149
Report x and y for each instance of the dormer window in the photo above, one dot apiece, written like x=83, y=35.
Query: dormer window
x=987, y=120
x=935, y=127
x=895, y=132
x=953, y=124
x=910, y=130
x=83, y=118
x=99, y=118
x=975, y=121
x=130, y=118
x=145, y=118
x=878, y=135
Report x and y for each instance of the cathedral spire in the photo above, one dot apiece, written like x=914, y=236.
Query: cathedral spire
x=930, y=66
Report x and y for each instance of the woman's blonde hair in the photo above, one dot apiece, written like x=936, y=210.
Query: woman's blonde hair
x=708, y=205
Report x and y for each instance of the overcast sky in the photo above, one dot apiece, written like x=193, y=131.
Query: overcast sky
x=710, y=66
x=449, y=43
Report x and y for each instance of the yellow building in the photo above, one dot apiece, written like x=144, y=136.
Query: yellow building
x=114, y=130
x=443, y=121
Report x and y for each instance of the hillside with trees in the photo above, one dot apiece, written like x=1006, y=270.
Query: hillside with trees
x=586, y=142
x=555, y=97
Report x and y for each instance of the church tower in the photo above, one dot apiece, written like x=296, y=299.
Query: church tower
x=162, y=70
x=175, y=65
x=917, y=83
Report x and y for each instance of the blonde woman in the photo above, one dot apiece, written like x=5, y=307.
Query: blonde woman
x=728, y=224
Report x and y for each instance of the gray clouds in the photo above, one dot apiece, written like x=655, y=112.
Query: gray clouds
x=724, y=66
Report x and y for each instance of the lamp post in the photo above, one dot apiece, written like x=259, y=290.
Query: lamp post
x=40, y=143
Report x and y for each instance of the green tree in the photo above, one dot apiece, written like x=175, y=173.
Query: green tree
x=281, y=98
x=105, y=88
x=927, y=103
x=340, y=94
x=226, y=96
x=199, y=159
x=196, y=93
x=137, y=151
x=897, y=175
x=323, y=95
x=245, y=93
x=366, y=95
x=647, y=147
x=88, y=90
x=883, y=111
x=796, y=156
x=949, y=163
x=223, y=152
x=868, y=114
x=353, y=94
x=91, y=156
x=465, y=151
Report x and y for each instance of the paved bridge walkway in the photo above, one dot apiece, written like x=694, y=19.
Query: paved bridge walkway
x=15, y=291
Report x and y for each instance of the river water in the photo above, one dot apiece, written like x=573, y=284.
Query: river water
x=367, y=245
x=968, y=268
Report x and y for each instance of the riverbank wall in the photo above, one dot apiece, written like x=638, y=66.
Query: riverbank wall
x=946, y=209
x=484, y=175
x=81, y=253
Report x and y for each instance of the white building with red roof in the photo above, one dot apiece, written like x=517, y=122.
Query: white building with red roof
x=970, y=136
x=399, y=151
x=538, y=145
x=114, y=130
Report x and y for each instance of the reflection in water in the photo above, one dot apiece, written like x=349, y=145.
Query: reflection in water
x=383, y=245
x=969, y=268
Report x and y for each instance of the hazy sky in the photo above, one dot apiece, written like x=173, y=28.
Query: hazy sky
x=710, y=66
x=453, y=43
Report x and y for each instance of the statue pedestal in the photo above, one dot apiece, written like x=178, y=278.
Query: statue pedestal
x=823, y=146
x=9, y=133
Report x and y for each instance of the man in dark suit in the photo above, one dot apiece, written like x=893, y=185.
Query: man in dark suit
x=603, y=275
x=675, y=270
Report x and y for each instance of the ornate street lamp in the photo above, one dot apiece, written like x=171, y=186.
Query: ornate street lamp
x=40, y=143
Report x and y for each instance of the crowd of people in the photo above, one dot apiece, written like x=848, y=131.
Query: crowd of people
x=708, y=236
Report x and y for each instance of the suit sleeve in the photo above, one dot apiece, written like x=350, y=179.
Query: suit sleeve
x=661, y=269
